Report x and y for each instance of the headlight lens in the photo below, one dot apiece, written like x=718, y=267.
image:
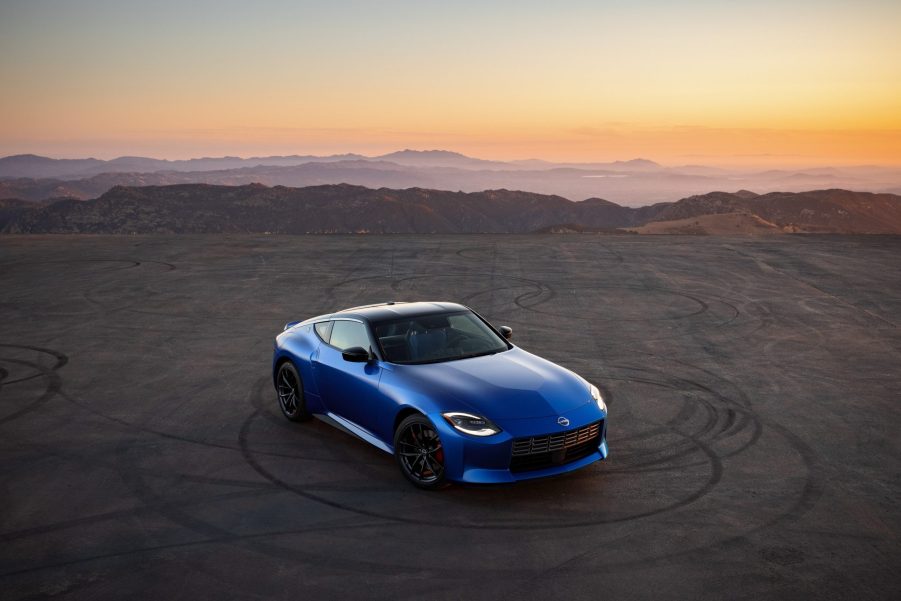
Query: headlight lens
x=596, y=395
x=473, y=425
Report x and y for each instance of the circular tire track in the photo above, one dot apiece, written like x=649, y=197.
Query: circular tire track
x=310, y=492
x=54, y=382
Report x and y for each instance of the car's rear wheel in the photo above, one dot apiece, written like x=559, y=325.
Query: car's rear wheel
x=418, y=450
x=289, y=388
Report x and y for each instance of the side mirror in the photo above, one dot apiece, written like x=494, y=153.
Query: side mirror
x=356, y=354
x=506, y=332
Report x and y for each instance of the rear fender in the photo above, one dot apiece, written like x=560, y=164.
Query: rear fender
x=301, y=346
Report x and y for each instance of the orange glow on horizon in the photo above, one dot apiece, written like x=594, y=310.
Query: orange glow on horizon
x=811, y=84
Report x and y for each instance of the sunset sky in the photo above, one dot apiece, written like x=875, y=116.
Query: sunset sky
x=720, y=82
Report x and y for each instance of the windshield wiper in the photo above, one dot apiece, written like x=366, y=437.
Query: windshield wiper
x=482, y=354
x=451, y=358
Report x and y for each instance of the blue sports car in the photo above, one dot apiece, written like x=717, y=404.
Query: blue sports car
x=442, y=390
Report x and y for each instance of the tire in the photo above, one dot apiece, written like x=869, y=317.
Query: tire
x=419, y=453
x=289, y=391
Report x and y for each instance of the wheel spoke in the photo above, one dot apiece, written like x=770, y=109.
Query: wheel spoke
x=424, y=467
x=432, y=465
x=413, y=468
x=288, y=390
x=416, y=450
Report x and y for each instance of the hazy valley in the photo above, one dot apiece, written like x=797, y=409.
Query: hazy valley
x=630, y=183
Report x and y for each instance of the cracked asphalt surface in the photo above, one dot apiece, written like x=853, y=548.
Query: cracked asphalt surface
x=753, y=387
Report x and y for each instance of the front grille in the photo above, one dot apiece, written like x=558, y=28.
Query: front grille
x=537, y=452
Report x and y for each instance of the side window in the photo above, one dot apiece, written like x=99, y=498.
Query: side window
x=324, y=330
x=347, y=334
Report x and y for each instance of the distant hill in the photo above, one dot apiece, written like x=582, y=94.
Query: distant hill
x=343, y=208
x=30, y=165
x=198, y=208
x=719, y=224
x=439, y=158
x=826, y=211
x=10, y=210
x=373, y=174
x=38, y=167
x=475, y=176
x=632, y=182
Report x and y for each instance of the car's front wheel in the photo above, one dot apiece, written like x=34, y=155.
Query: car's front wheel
x=418, y=450
x=289, y=388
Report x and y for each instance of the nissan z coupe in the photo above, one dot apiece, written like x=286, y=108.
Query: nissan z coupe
x=441, y=389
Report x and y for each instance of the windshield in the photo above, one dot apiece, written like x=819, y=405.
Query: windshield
x=436, y=338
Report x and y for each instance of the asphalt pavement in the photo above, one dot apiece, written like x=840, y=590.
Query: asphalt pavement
x=753, y=386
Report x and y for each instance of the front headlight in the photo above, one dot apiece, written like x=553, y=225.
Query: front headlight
x=468, y=423
x=596, y=395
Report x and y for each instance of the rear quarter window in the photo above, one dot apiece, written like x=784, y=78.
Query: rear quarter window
x=323, y=330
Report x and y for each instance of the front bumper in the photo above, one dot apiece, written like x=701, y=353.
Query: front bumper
x=488, y=460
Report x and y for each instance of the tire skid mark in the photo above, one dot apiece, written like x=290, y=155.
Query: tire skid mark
x=810, y=494
x=61, y=360
x=129, y=263
x=171, y=436
x=702, y=306
x=130, y=512
x=529, y=524
x=226, y=538
x=91, y=460
x=726, y=430
x=54, y=382
x=732, y=417
x=206, y=529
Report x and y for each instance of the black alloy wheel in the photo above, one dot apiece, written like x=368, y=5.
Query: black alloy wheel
x=419, y=453
x=289, y=388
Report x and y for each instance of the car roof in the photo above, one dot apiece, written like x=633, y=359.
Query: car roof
x=398, y=309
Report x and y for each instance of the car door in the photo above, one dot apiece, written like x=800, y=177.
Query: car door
x=350, y=390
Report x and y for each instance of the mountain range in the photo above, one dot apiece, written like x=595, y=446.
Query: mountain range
x=344, y=208
x=34, y=166
x=631, y=183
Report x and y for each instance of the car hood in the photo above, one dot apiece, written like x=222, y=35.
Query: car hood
x=513, y=384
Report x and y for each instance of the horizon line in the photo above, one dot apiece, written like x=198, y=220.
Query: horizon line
x=714, y=162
